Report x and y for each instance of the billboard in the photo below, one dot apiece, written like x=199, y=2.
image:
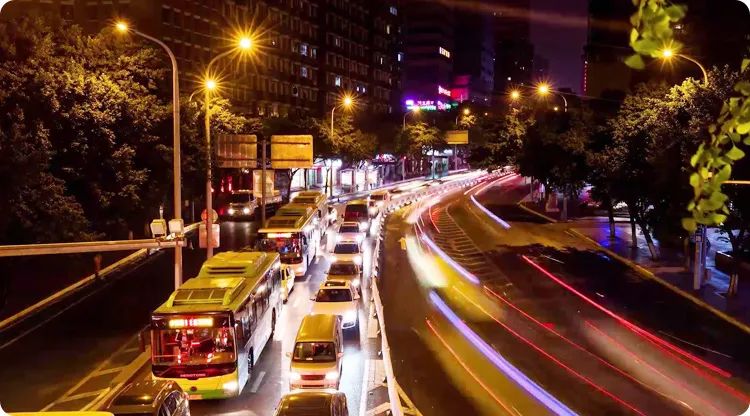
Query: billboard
x=291, y=151
x=457, y=137
x=237, y=151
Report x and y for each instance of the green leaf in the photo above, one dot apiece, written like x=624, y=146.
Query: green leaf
x=724, y=174
x=633, y=35
x=745, y=64
x=695, y=180
x=645, y=46
x=689, y=224
x=735, y=153
x=635, y=62
x=746, y=141
x=743, y=128
x=717, y=218
x=675, y=12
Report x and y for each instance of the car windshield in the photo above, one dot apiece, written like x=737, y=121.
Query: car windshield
x=349, y=229
x=194, y=346
x=334, y=295
x=319, y=352
x=356, y=211
x=240, y=198
x=343, y=269
x=346, y=249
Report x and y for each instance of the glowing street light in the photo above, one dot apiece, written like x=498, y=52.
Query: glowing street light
x=243, y=43
x=123, y=28
x=515, y=95
x=414, y=110
x=669, y=53
x=544, y=89
x=466, y=111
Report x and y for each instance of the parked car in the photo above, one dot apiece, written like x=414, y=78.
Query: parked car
x=313, y=403
x=152, y=397
x=349, y=231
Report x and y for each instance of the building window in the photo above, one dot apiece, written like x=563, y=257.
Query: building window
x=444, y=52
x=381, y=60
x=394, y=10
x=303, y=71
x=337, y=41
x=400, y=56
x=337, y=81
x=388, y=29
x=314, y=52
x=303, y=49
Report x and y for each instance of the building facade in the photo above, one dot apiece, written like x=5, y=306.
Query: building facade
x=514, y=53
x=308, y=52
x=474, y=65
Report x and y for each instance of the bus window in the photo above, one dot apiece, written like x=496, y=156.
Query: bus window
x=194, y=346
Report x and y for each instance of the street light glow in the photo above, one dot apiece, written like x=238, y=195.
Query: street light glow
x=543, y=89
x=515, y=94
x=348, y=101
x=466, y=111
x=245, y=43
x=121, y=27
x=415, y=109
x=667, y=53
x=210, y=84
x=556, y=108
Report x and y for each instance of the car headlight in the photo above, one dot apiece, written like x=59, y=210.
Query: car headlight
x=332, y=258
x=360, y=237
x=362, y=226
x=230, y=211
x=246, y=211
x=339, y=238
x=355, y=282
x=358, y=259
x=350, y=316
x=332, y=375
x=230, y=386
x=295, y=376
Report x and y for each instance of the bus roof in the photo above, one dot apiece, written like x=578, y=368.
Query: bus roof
x=289, y=210
x=237, y=264
x=317, y=328
x=202, y=294
x=309, y=199
x=288, y=223
x=357, y=202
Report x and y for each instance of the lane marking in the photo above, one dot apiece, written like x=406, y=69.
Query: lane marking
x=382, y=408
x=363, y=397
x=552, y=258
x=256, y=384
x=696, y=345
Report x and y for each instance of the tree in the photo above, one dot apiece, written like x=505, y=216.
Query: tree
x=497, y=141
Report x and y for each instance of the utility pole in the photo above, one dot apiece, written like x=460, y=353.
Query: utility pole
x=263, y=184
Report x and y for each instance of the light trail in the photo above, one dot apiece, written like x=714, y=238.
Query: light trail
x=490, y=214
x=463, y=272
x=466, y=368
x=544, y=397
x=551, y=357
x=661, y=344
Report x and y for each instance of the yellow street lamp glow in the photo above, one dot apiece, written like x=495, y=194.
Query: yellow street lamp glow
x=121, y=27
x=348, y=101
x=245, y=43
x=515, y=94
x=415, y=109
x=543, y=89
x=210, y=84
x=466, y=111
x=556, y=108
x=667, y=53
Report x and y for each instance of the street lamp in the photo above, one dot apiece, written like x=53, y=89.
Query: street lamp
x=346, y=102
x=414, y=110
x=515, y=95
x=544, y=89
x=466, y=112
x=123, y=27
x=243, y=44
x=669, y=53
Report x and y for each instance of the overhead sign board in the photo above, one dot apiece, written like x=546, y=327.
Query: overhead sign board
x=237, y=151
x=258, y=183
x=291, y=151
x=457, y=137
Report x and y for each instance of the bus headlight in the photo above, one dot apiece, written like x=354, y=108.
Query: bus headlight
x=355, y=282
x=230, y=386
x=339, y=238
x=332, y=259
x=332, y=375
x=295, y=376
x=363, y=226
x=358, y=259
x=360, y=237
x=350, y=316
x=246, y=211
x=230, y=211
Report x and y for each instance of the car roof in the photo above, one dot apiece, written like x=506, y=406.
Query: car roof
x=141, y=396
x=307, y=403
x=346, y=283
x=318, y=327
x=350, y=223
x=335, y=283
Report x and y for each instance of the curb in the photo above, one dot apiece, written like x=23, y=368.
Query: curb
x=650, y=275
x=534, y=212
x=75, y=287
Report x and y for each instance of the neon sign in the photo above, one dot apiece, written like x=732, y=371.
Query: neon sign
x=444, y=91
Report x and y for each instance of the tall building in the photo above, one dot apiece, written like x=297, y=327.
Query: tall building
x=309, y=51
x=429, y=51
x=474, y=63
x=514, y=53
x=606, y=48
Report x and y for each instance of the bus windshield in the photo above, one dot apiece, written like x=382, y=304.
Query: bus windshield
x=319, y=352
x=377, y=197
x=240, y=198
x=193, y=346
x=346, y=248
x=354, y=212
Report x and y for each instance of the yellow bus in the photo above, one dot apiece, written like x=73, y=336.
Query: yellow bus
x=209, y=334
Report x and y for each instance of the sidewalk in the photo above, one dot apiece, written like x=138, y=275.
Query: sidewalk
x=670, y=267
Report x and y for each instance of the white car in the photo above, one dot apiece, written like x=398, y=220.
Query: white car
x=346, y=271
x=350, y=231
x=347, y=251
x=341, y=300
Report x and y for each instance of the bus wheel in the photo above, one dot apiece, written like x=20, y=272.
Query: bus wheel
x=250, y=364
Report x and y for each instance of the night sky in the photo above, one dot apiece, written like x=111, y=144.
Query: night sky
x=558, y=32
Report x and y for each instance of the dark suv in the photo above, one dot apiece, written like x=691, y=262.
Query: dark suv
x=313, y=403
x=150, y=398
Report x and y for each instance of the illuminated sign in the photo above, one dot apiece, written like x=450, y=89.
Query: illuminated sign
x=429, y=105
x=445, y=52
x=279, y=235
x=191, y=323
x=444, y=91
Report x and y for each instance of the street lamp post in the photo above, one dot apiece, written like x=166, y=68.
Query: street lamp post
x=414, y=110
x=465, y=112
x=670, y=53
x=346, y=103
x=244, y=43
x=123, y=27
x=544, y=89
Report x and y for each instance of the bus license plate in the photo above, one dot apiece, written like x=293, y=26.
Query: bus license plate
x=194, y=397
